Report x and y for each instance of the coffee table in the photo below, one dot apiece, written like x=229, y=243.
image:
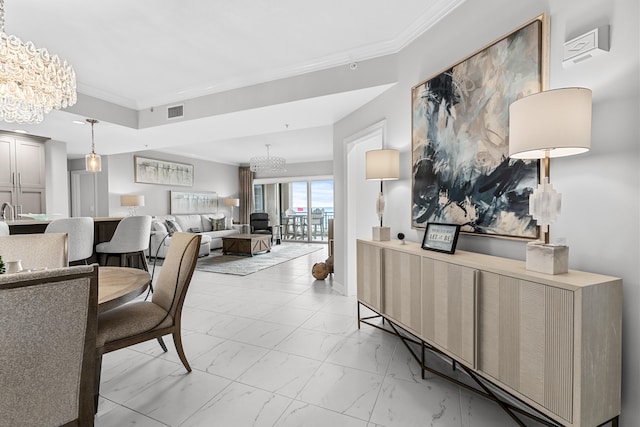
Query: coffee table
x=246, y=244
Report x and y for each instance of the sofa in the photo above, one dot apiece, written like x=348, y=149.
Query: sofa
x=213, y=227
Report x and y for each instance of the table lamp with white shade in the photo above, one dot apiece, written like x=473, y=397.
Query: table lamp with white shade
x=553, y=123
x=384, y=165
x=231, y=202
x=132, y=201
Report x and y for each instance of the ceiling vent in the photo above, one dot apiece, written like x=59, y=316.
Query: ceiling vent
x=175, y=112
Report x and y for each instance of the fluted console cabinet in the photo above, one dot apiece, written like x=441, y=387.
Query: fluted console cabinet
x=552, y=341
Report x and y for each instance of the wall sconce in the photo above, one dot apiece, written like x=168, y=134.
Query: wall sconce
x=132, y=201
x=385, y=166
x=554, y=123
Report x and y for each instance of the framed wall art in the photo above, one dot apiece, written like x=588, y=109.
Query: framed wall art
x=152, y=171
x=193, y=203
x=462, y=173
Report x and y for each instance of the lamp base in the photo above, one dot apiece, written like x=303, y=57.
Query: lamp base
x=381, y=234
x=549, y=259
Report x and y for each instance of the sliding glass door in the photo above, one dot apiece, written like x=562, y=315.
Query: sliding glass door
x=301, y=208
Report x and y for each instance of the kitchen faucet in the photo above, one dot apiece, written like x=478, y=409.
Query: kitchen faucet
x=6, y=205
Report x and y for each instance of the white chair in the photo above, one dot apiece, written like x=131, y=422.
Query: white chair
x=4, y=228
x=129, y=240
x=80, y=232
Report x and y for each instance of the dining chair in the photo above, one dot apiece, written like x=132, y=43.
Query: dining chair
x=47, y=356
x=317, y=222
x=129, y=241
x=141, y=321
x=80, y=232
x=35, y=250
x=4, y=228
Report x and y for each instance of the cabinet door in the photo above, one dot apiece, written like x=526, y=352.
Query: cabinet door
x=30, y=164
x=370, y=275
x=448, y=308
x=525, y=339
x=7, y=162
x=31, y=200
x=402, y=288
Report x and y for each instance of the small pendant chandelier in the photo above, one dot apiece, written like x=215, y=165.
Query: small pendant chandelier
x=32, y=82
x=267, y=165
x=93, y=162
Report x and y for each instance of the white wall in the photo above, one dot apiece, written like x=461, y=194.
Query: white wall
x=208, y=177
x=601, y=206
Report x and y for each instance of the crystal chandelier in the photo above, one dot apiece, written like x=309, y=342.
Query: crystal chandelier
x=267, y=165
x=93, y=161
x=32, y=82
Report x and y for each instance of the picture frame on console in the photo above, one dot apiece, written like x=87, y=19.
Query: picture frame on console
x=461, y=170
x=441, y=237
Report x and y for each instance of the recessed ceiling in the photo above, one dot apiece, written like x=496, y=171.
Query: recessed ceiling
x=145, y=53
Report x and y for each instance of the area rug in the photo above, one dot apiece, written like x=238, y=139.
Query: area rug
x=243, y=265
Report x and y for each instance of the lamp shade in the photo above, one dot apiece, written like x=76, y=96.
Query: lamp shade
x=131, y=200
x=553, y=123
x=232, y=202
x=382, y=164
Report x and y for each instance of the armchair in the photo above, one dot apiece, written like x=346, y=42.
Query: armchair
x=259, y=223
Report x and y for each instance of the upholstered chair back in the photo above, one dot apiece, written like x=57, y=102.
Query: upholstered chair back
x=48, y=351
x=80, y=231
x=177, y=269
x=35, y=250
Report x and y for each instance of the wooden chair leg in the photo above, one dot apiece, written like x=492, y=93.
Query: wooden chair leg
x=96, y=394
x=143, y=261
x=162, y=344
x=177, y=339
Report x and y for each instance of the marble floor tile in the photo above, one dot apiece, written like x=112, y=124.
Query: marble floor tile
x=281, y=373
x=331, y=323
x=217, y=324
x=194, y=345
x=229, y=359
x=126, y=380
x=240, y=405
x=291, y=316
x=264, y=334
x=300, y=414
x=172, y=399
x=365, y=353
x=344, y=390
x=405, y=403
x=311, y=344
x=119, y=416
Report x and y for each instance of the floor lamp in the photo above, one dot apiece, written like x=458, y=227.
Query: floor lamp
x=231, y=202
x=385, y=166
x=554, y=123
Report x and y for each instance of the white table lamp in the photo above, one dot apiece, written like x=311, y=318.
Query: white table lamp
x=554, y=123
x=383, y=165
x=132, y=201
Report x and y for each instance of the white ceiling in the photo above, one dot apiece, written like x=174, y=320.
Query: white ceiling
x=145, y=53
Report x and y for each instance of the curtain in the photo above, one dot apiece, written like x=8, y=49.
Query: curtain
x=246, y=194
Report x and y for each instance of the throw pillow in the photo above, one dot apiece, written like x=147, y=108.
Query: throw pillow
x=217, y=224
x=172, y=227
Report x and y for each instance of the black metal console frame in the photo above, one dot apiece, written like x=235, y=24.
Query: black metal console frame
x=485, y=391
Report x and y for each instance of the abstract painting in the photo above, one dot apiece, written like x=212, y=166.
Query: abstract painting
x=152, y=171
x=462, y=173
x=193, y=203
